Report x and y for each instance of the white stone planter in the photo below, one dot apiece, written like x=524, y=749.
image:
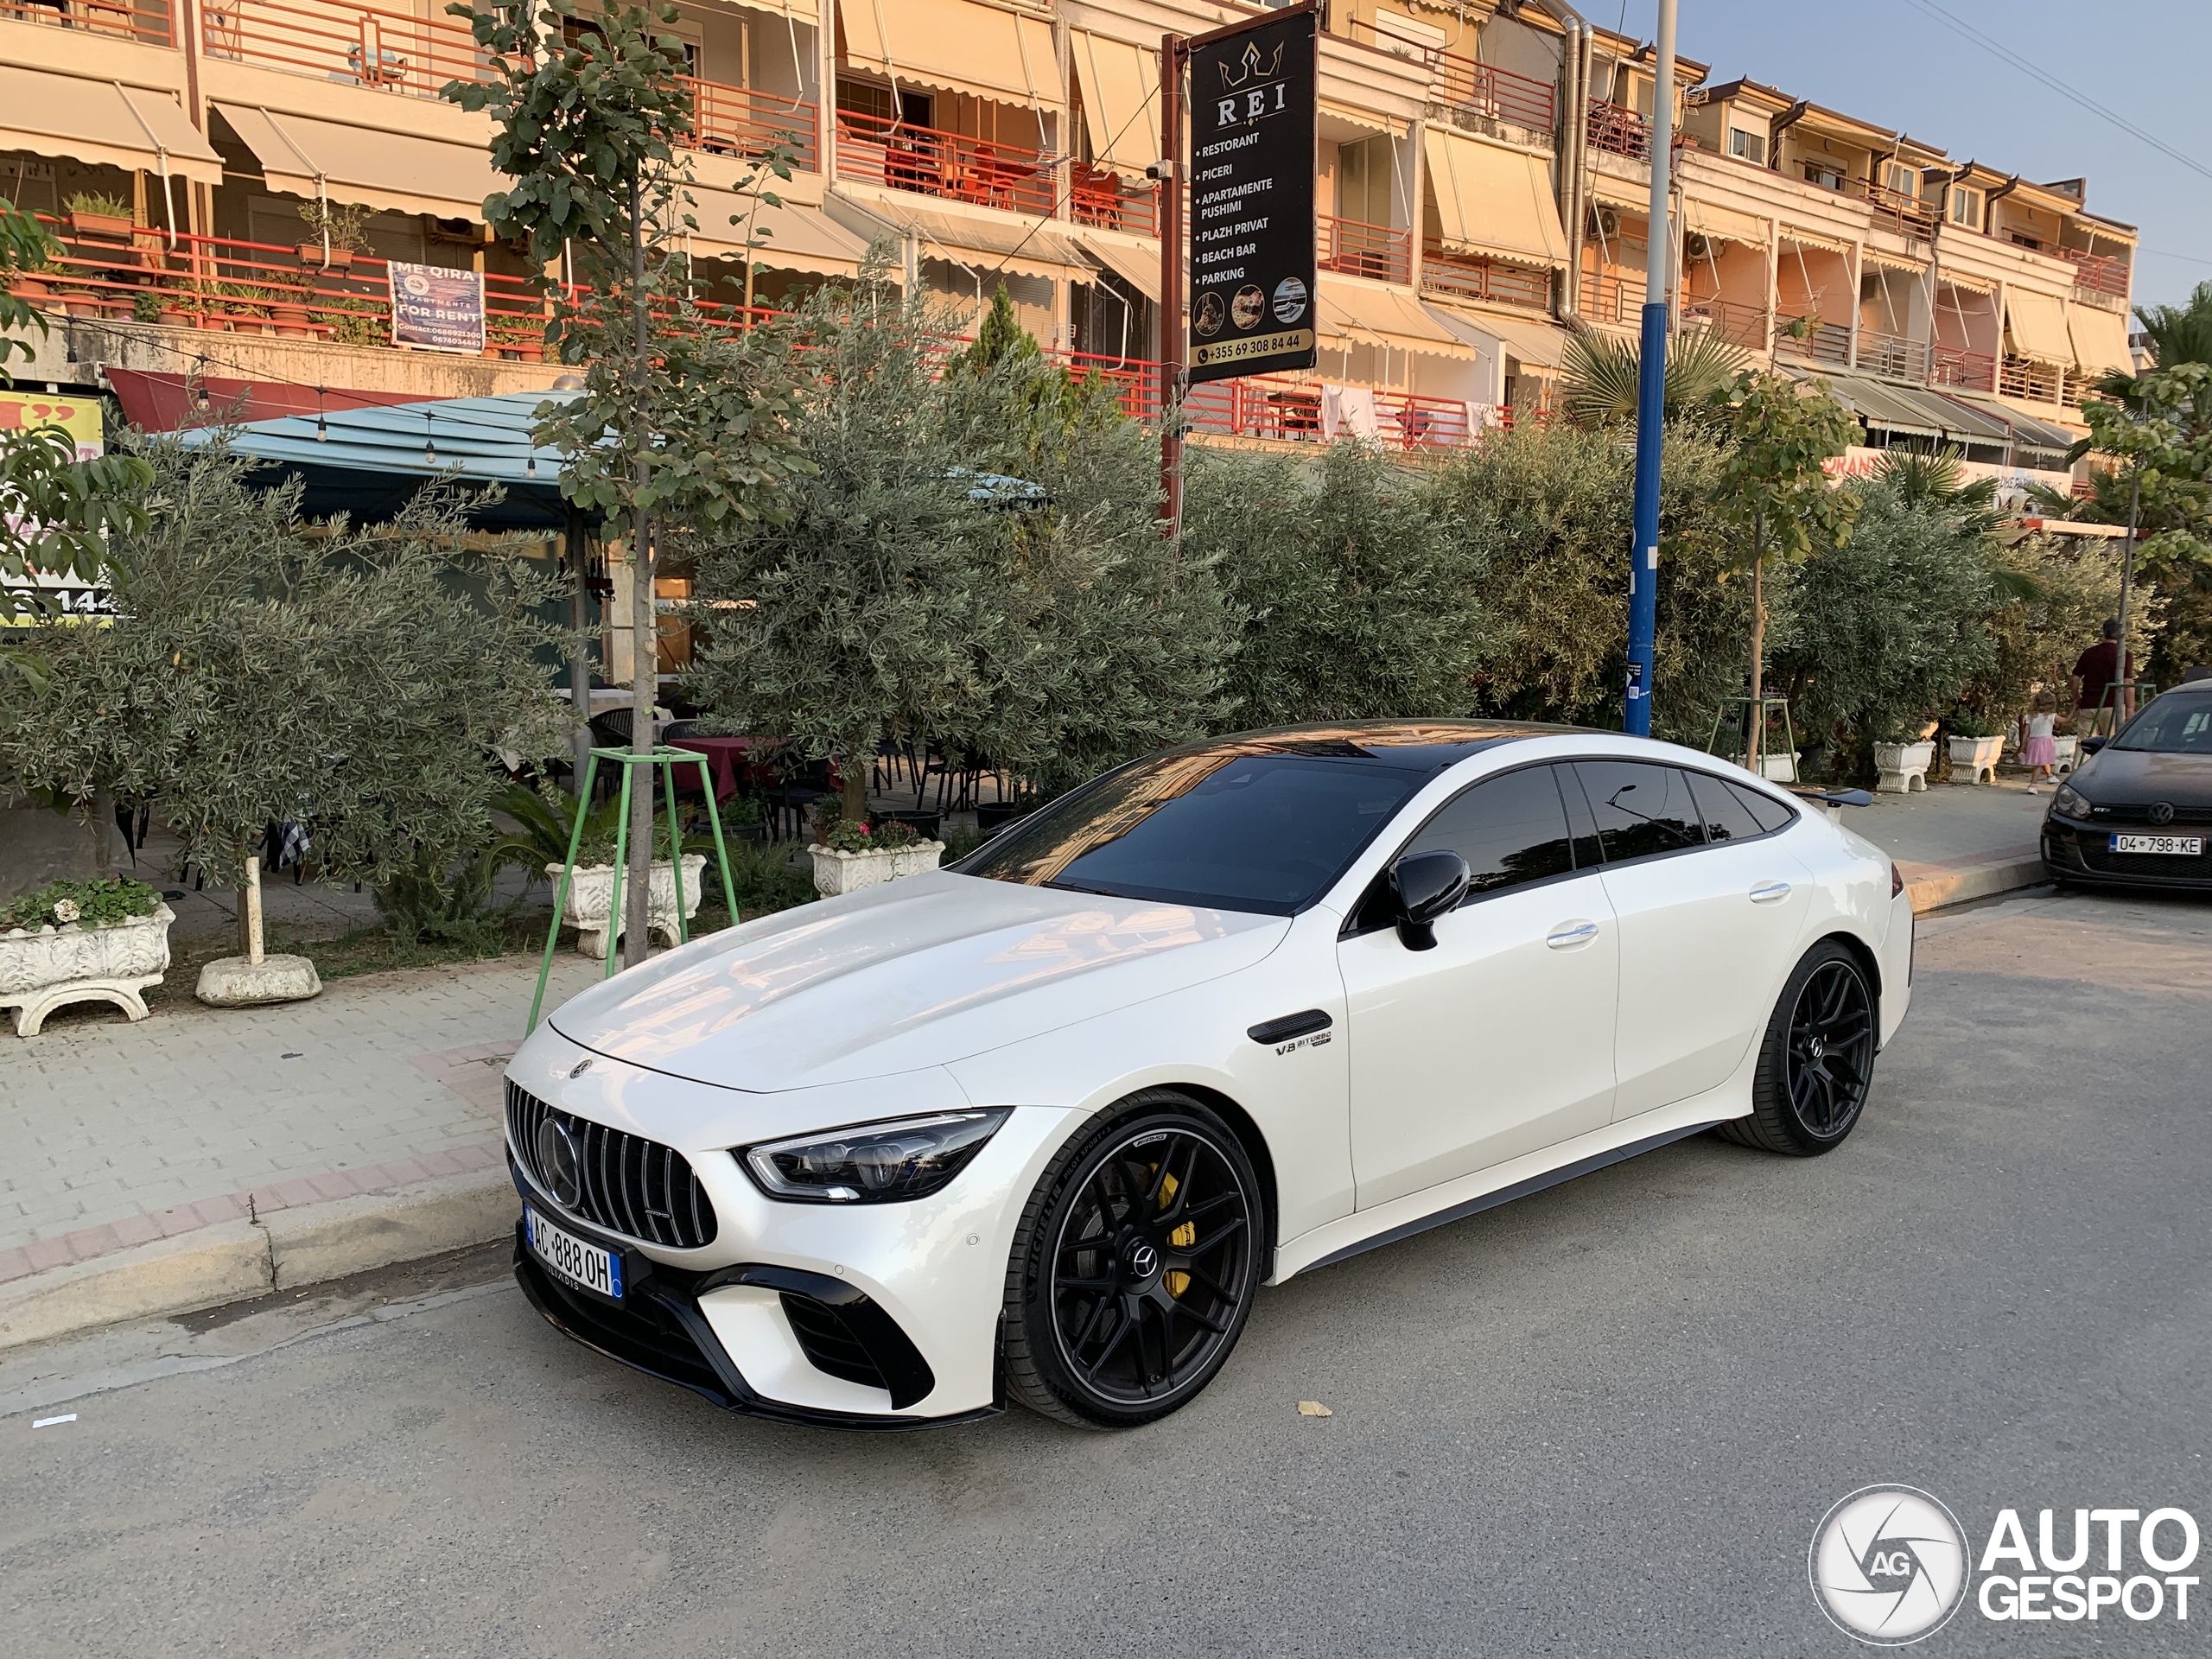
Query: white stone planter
x=39, y=971
x=591, y=891
x=1778, y=768
x=2066, y=754
x=836, y=873
x=1903, y=767
x=1974, y=756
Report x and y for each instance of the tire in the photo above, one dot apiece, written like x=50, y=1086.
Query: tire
x=1133, y=1267
x=1816, y=1060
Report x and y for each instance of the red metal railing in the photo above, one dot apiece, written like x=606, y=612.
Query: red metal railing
x=1736, y=323
x=135, y=20
x=1499, y=93
x=223, y=285
x=1101, y=197
x=1894, y=210
x=738, y=121
x=1820, y=342
x=1467, y=277
x=1611, y=296
x=1356, y=249
x=1281, y=408
x=1621, y=129
x=1967, y=370
x=1894, y=355
x=932, y=163
x=391, y=51
x=2100, y=273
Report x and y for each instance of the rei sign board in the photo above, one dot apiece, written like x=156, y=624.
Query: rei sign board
x=1252, y=168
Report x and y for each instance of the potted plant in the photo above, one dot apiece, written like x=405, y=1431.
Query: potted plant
x=539, y=845
x=82, y=942
x=340, y=232
x=1903, y=760
x=103, y=217
x=853, y=854
x=1976, y=745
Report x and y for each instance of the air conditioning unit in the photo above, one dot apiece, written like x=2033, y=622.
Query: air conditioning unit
x=1608, y=220
x=1696, y=246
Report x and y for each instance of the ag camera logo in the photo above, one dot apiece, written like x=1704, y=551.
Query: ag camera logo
x=1888, y=1565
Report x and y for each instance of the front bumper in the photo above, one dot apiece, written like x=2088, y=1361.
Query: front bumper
x=2078, y=853
x=664, y=1328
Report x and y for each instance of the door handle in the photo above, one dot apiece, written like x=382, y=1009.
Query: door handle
x=1768, y=892
x=1568, y=935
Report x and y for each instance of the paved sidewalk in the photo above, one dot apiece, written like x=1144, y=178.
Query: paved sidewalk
x=205, y=1154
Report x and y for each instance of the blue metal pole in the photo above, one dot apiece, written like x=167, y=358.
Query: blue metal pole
x=1650, y=394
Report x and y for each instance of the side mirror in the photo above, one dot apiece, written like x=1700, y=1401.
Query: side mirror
x=2092, y=744
x=1426, y=886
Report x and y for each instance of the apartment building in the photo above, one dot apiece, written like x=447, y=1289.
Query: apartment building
x=1483, y=170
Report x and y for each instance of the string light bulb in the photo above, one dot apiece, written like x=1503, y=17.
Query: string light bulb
x=429, y=441
x=321, y=425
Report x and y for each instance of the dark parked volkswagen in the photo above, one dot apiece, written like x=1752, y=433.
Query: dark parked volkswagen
x=2139, y=812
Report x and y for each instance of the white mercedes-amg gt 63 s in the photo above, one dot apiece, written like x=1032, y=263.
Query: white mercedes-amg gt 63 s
x=1039, y=1126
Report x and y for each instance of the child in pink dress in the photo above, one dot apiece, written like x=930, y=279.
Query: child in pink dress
x=2040, y=752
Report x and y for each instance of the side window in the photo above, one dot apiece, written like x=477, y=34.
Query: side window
x=1642, y=810
x=1727, y=816
x=1509, y=829
x=1771, y=813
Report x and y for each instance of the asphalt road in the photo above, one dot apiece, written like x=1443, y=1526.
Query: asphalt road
x=1604, y=1419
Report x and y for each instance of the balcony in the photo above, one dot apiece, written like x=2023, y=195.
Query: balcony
x=2033, y=382
x=398, y=52
x=1611, y=296
x=1894, y=355
x=1948, y=365
x=1616, y=127
x=1287, y=410
x=1816, y=342
x=1467, y=276
x=1735, y=322
x=1482, y=87
x=146, y=20
x=1347, y=247
x=1097, y=196
x=2097, y=273
x=872, y=149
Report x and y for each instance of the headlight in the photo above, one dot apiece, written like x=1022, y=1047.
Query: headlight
x=872, y=1163
x=2069, y=801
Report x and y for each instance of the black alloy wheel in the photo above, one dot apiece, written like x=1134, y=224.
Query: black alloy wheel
x=1817, y=1061
x=1135, y=1266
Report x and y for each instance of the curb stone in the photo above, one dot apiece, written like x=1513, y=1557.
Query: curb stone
x=1957, y=884
x=233, y=1260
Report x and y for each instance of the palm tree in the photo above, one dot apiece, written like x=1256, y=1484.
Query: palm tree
x=2180, y=333
x=1924, y=477
x=1601, y=374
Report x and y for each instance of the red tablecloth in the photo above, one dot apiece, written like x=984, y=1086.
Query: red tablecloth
x=725, y=757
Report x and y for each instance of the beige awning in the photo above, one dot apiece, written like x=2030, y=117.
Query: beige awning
x=391, y=172
x=799, y=11
x=2100, y=339
x=1719, y=224
x=1971, y=284
x=1120, y=99
x=102, y=123
x=978, y=243
x=980, y=50
x=1369, y=312
x=1368, y=120
x=1494, y=200
x=1137, y=267
x=1799, y=236
x=1877, y=260
x=1537, y=343
x=798, y=238
x=2038, y=325
x=1624, y=194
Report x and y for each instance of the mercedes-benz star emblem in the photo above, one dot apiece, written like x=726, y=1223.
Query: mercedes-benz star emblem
x=1142, y=1259
x=2162, y=812
x=581, y=1067
x=557, y=1164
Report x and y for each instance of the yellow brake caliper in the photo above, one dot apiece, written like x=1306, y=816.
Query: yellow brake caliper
x=1182, y=1238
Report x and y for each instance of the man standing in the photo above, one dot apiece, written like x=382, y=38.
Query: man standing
x=2100, y=669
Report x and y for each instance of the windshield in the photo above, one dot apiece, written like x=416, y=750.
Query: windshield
x=1221, y=828
x=2171, y=726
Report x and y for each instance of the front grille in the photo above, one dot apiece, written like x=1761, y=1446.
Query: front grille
x=629, y=1184
x=827, y=1344
x=2102, y=859
x=2121, y=813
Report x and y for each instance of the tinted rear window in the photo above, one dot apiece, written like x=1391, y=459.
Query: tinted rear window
x=1265, y=832
x=1643, y=808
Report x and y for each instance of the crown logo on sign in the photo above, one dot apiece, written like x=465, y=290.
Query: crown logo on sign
x=1254, y=69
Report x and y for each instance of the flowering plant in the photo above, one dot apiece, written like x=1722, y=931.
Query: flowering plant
x=858, y=836
x=95, y=904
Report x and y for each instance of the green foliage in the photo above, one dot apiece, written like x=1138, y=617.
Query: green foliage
x=2179, y=334
x=1362, y=601
x=1774, y=493
x=259, y=670
x=999, y=335
x=2070, y=586
x=1602, y=373
x=98, y=204
x=87, y=904
x=859, y=835
x=1928, y=478
x=544, y=820
x=345, y=222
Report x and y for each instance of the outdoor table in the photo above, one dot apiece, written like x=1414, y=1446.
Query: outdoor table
x=725, y=756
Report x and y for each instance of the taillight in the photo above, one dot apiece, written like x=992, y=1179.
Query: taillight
x=1897, y=878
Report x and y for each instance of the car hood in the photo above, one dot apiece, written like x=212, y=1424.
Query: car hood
x=917, y=972
x=2137, y=778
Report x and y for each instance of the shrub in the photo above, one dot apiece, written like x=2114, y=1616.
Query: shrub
x=88, y=904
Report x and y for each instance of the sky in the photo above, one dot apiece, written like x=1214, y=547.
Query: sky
x=1890, y=62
